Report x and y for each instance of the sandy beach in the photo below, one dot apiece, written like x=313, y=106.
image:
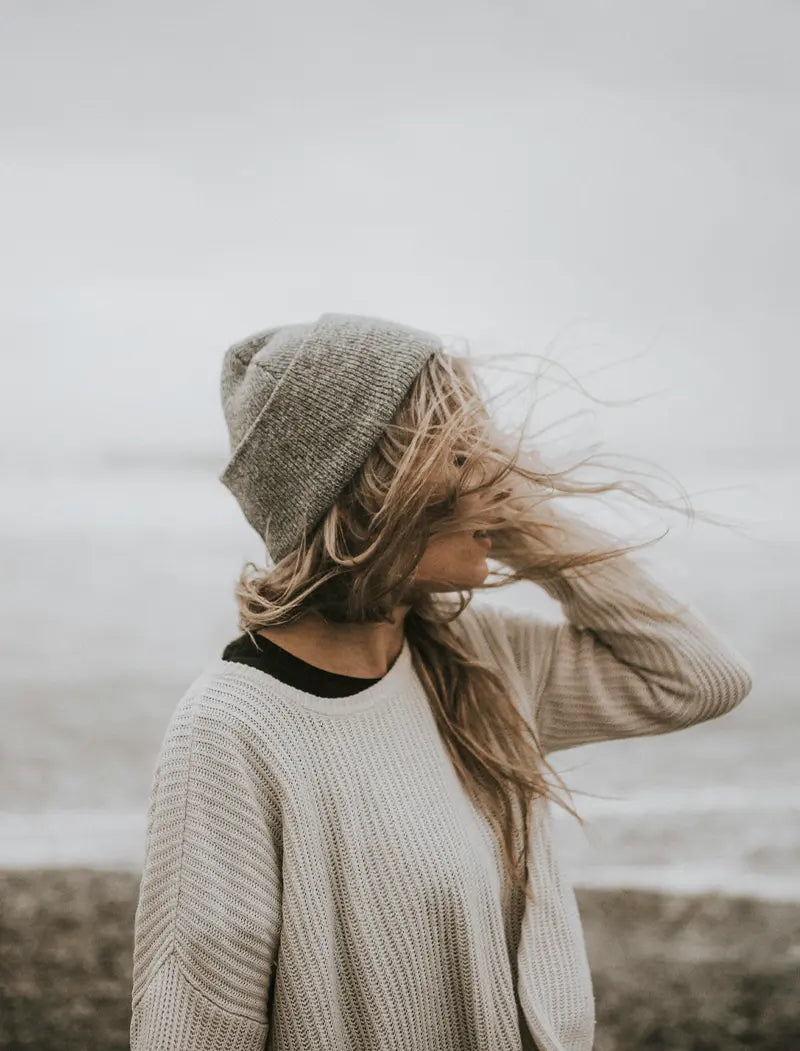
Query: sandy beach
x=677, y=972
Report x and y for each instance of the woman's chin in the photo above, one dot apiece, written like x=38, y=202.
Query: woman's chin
x=458, y=581
x=480, y=571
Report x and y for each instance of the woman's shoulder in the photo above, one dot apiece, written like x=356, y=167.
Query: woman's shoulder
x=518, y=642
x=227, y=709
x=501, y=627
x=231, y=692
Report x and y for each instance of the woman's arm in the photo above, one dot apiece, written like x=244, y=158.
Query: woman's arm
x=208, y=917
x=610, y=670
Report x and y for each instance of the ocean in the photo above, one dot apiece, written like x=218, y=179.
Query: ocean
x=118, y=589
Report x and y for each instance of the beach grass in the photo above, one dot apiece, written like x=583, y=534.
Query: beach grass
x=671, y=973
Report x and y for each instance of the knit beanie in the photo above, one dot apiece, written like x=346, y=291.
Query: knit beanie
x=304, y=404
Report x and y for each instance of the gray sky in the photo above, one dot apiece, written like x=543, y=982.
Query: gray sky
x=620, y=178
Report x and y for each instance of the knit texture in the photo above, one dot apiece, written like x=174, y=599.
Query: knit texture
x=304, y=405
x=316, y=878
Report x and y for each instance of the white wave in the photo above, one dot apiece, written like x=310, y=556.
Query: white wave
x=714, y=799
x=689, y=880
x=63, y=839
x=116, y=841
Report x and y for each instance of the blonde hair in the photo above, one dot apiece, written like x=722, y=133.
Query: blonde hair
x=359, y=563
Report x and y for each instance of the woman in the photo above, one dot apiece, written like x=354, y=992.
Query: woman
x=348, y=840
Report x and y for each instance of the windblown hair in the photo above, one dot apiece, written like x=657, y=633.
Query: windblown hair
x=359, y=564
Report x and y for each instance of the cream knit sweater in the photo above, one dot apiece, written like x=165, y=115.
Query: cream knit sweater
x=316, y=879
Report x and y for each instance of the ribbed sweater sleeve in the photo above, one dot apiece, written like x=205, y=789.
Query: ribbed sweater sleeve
x=208, y=918
x=610, y=670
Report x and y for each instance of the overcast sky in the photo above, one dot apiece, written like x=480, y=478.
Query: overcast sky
x=620, y=178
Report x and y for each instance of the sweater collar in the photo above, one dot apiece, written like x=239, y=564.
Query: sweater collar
x=397, y=680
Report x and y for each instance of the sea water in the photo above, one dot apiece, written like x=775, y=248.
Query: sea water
x=118, y=588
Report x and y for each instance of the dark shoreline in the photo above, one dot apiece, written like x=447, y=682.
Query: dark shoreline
x=671, y=972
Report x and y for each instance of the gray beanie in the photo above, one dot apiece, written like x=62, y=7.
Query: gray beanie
x=304, y=404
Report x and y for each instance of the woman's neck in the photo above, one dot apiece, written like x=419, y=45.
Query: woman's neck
x=365, y=649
